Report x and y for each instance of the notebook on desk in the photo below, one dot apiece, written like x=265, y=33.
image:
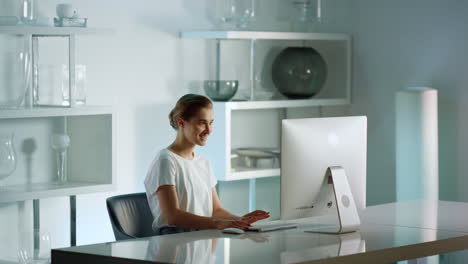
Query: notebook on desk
x=266, y=227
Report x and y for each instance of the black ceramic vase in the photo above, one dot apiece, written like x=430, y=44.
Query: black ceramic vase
x=299, y=72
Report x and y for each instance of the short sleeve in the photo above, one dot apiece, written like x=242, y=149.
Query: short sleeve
x=163, y=172
x=213, y=180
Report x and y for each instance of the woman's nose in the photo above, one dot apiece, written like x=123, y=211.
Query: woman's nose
x=209, y=128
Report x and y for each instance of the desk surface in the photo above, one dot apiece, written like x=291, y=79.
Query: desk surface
x=389, y=233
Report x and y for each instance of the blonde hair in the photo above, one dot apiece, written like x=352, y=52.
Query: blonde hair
x=187, y=107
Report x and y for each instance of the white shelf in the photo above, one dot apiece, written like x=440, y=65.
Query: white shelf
x=51, y=31
x=249, y=173
x=15, y=193
x=55, y=111
x=271, y=104
x=263, y=35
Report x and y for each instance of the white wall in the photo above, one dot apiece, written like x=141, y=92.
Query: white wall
x=411, y=43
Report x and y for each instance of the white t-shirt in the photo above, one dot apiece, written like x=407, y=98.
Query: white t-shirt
x=193, y=180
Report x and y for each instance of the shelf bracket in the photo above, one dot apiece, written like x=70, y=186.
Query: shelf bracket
x=253, y=43
x=73, y=220
x=36, y=222
x=252, y=195
x=218, y=59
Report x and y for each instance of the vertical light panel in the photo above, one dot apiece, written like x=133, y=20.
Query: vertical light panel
x=417, y=162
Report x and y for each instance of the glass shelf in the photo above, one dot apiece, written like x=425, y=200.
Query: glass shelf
x=251, y=173
x=54, y=111
x=51, y=31
x=264, y=35
x=22, y=192
x=271, y=104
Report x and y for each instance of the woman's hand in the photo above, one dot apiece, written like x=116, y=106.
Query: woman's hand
x=226, y=223
x=255, y=216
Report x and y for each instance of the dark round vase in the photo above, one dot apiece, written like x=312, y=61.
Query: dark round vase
x=299, y=72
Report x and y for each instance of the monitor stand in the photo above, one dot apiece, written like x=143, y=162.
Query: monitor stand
x=348, y=216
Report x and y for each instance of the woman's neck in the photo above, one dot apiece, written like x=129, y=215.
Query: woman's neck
x=182, y=147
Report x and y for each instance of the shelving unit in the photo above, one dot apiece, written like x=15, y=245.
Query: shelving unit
x=54, y=112
x=23, y=192
x=269, y=35
x=52, y=31
x=90, y=163
x=334, y=48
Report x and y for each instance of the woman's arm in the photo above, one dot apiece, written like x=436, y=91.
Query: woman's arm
x=169, y=203
x=220, y=212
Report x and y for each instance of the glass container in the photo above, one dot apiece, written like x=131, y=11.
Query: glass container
x=15, y=79
x=7, y=155
x=307, y=15
x=27, y=14
x=50, y=54
x=79, y=90
x=34, y=247
x=220, y=90
x=60, y=143
x=238, y=14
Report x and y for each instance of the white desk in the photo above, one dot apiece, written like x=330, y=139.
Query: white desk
x=389, y=233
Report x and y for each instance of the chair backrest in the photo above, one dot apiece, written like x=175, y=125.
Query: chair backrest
x=130, y=216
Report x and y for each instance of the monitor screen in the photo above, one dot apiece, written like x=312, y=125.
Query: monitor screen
x=308, y=148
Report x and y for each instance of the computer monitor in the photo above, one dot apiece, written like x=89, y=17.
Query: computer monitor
x=309, y=147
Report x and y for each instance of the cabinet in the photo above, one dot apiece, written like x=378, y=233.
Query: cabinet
x=256, y=123
x=90, y=160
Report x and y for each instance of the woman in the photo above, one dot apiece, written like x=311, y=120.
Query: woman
x=180, y=184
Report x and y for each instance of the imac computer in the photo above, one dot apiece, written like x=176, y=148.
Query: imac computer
x=323, y=169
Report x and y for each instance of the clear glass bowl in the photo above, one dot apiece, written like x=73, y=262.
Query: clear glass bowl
x=221, y=90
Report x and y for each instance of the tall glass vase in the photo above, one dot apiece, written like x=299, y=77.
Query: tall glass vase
x=15, y=76
x=60, y=143
x=7, y=156
x=27, y=12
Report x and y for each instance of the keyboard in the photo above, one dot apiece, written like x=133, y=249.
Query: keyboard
x=266, y=227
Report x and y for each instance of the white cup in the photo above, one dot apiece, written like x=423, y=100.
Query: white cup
x=64, y=10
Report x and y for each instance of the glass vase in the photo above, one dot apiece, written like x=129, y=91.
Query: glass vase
x=238, y=14
x=15, y=78
x=7, y=155
x=60, y=143
x=34, y=247
x=27, y=14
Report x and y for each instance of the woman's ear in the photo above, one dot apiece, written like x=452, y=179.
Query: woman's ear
x=180, y=122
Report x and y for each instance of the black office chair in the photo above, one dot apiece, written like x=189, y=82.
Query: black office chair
x=130, y=216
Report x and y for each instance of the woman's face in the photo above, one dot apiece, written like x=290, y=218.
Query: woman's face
x=198, y=128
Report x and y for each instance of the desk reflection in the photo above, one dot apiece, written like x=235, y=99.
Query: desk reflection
x=345, y=244
x=167, y=249
x=182, y=249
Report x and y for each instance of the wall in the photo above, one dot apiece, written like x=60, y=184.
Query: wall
x=140, y=68
x=411, y=43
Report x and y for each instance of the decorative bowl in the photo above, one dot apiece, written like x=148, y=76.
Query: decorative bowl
x=299, y=72
x=221, y=90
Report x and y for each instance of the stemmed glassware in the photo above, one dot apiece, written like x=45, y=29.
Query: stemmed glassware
x=60, y=143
